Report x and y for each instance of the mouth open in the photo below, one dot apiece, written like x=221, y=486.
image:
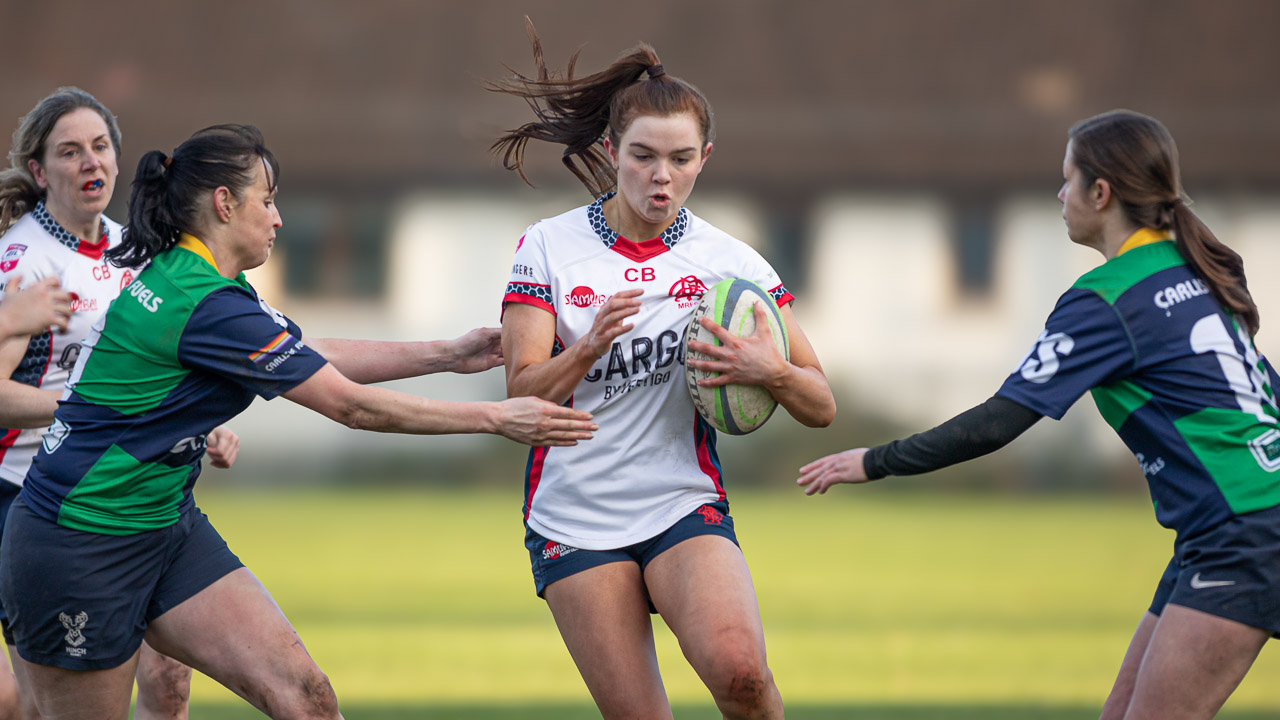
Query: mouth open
x=92, y=185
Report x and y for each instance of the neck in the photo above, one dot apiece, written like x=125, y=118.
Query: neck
x=223, y=260
x=85, y=228
x=626, y=223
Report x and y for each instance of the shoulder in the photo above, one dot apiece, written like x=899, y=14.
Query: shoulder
x=28, y=249
x=115, y=231
x=1116, y=276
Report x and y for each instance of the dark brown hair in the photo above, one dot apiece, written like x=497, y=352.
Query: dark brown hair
x=1136, y=155
x=579, y=112
x=167, y=191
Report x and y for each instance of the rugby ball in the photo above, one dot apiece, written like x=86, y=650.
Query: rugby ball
x=733, y=409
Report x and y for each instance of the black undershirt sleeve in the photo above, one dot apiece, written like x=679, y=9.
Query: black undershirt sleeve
x=973, y=433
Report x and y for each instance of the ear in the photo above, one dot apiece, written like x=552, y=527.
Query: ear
x=1100, y=194
x=612, y=152
x=37, y=170
x=706, y=155
x=223, y=204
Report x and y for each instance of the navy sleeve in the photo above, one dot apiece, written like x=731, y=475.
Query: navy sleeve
x=231, y=334
x=1084, y=344
x=973, y=433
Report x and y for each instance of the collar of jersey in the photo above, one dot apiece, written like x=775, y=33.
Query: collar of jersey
x=1144, y=236
x=635, y=250
x=91, y=249
x=195, y=245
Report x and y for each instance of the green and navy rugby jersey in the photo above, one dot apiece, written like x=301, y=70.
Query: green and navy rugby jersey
x=1176, y=376
x=179, y=352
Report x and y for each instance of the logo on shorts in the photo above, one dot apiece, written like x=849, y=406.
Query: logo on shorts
x=555, y=550
x=1198, y=584
x=75, y=638
x=710, y=515
x=687, y=291
x=12, y=255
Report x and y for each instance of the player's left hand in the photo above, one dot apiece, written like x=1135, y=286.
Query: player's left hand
x=478, y=350
x=223, y=447
x=845, y=467
x=750, y=360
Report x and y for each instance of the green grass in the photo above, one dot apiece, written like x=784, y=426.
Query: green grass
x=876, y=604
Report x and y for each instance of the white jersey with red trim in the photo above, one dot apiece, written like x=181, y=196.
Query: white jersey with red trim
x=37, y=247
x=653, y=460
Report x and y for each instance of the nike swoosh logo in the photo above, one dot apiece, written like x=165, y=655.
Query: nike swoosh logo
x=1198, y=584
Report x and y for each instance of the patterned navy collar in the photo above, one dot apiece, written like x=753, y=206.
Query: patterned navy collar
x=670, y=236
x=61, y=234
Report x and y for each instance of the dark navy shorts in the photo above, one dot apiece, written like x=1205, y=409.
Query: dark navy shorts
x=1231, y=571
x=82, y=600
x=8, y=493
x=554, y=561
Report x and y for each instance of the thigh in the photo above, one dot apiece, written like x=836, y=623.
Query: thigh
x=603, y=616
x=234, y=632
x=703, y=590
x=1122, y=691
x=79, y=694
x=164, y=686
x=1192, y=664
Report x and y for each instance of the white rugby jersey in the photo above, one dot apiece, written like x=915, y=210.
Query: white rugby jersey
x=37, y=247
x=653, y=460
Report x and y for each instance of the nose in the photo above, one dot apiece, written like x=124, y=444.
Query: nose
x=662, y=172
x=1062, y=194
x=276, y=220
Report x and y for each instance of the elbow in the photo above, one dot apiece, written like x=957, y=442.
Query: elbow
x=821, y=414
x=354, y=415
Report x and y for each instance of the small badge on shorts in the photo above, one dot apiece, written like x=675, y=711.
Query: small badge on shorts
x=75, y=636
x=710, y=515
x=555, y=550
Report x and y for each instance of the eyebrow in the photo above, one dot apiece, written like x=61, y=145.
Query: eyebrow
x=76, y=143
x=642, y=146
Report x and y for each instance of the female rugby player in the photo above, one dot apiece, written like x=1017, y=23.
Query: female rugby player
x=62, y=174
x=594, y=316
x=1162, y=335
x=108, y=501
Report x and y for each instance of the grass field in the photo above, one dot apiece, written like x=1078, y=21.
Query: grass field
x=419, y=604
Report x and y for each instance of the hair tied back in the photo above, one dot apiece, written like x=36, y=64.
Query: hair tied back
x=655, y=71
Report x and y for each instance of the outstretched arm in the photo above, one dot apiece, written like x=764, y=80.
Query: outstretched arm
x=973, y=433
x=526, y=420
x=371, y=361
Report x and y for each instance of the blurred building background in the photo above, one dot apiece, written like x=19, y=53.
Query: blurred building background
x=897, y=161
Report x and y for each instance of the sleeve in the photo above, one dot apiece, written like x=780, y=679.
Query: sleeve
x=530, y=281
x=18, y=259
x=973, y=433
x=1084, y=344
x=759, y=271
x=233, y=335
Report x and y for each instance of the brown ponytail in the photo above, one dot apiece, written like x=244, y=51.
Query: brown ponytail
x=1138, y=157
x=579, y=112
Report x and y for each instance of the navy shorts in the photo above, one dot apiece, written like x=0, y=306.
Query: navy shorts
x=554, y=561
x=8, y=493
x=1231, y=571
x=82, y=600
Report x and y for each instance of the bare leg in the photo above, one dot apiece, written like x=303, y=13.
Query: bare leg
x=234, y=632
x=164, y=687
x=9, y=705
x=80, y=694
x=26, y=698
x=703, y=589
x=1118, y=701
x=603, y=616
x=1193, y=663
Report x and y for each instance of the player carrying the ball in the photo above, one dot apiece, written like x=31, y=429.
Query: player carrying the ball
x=594, y=316
x=1162, y=335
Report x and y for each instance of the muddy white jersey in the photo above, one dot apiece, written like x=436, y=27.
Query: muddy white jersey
x=653, y=460
x=37, y=247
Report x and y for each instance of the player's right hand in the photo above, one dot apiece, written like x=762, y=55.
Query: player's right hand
x=845, y=467
x=536, y=422
x=608, y=324
x=37, y=308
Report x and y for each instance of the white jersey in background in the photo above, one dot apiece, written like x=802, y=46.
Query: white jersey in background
x=37, y=247
x=653, y=460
